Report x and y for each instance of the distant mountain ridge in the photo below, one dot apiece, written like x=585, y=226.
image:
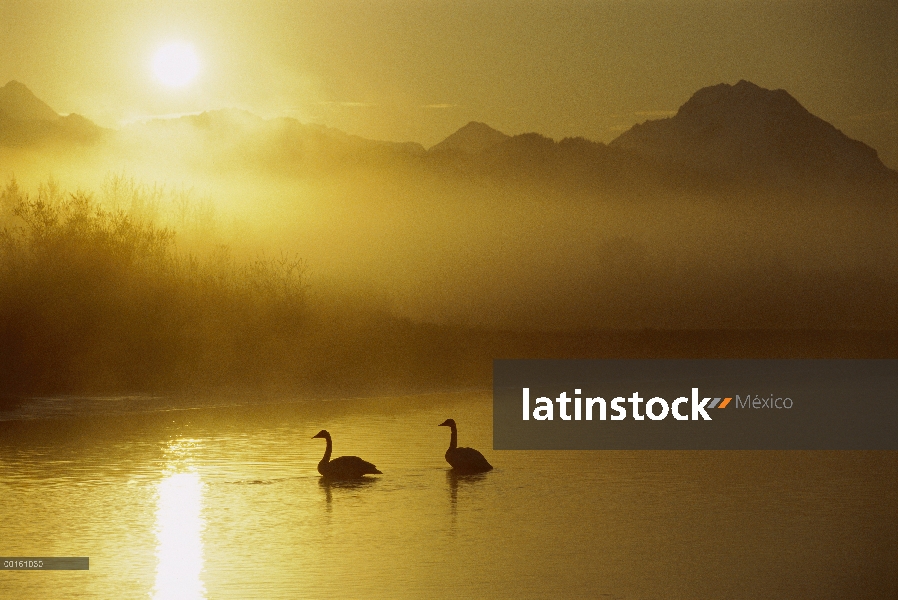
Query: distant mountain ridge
x=473, y=138
x=751, y=132
x=18, y=102
x=27, y=120
x=723, y=134
x=240, y=139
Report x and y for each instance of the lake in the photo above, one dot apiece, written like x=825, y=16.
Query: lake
x=215, y=498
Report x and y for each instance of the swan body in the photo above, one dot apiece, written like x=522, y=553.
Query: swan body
x=464, y=460
x=342, y=467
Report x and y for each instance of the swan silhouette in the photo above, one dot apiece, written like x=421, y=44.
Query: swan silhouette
x=463, y=460
x=343, y=467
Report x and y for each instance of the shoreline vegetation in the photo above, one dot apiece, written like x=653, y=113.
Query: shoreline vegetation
x=96, y=294
x=137, y=290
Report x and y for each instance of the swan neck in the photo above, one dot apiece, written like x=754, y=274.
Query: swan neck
x=327, y=450
x=453, y=441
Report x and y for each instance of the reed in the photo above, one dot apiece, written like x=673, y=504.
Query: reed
x=98, y=295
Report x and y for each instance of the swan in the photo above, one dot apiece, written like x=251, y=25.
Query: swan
x=343, y=467
x=463, y=460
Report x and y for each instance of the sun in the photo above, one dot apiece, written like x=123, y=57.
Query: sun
x=176, y=64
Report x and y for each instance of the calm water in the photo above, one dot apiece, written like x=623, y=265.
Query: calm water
x=225, y=502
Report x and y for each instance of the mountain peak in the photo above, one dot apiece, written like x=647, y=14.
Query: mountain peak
x=743, y=97
x=751, y=132
x=473, y=138
x=18, y=102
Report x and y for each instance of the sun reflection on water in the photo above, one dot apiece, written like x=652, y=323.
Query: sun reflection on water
x=179, y=529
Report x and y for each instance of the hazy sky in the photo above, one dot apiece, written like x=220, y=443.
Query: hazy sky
x=418, y=70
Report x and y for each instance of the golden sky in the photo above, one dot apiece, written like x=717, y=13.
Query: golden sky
x=418, y=70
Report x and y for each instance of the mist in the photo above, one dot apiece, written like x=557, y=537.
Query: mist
x=507, y=248
x=225, y=248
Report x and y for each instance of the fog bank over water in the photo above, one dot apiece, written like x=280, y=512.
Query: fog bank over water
x=540, y=257
x=536, y=257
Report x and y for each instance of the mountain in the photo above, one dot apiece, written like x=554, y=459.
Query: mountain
x=473, y=138
x=18, y=102
x=753, y=134
x=240, y=139
x=723, y=135
x=26, y=120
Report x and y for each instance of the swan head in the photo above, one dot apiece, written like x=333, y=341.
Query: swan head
x=322, y=434
x=447, y=423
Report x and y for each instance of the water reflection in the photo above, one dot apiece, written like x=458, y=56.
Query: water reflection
x=179, y=529
x=329, y=485
x=454, y=479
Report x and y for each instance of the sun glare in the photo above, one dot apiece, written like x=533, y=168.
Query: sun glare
x=176, y=64
x=179, y=530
